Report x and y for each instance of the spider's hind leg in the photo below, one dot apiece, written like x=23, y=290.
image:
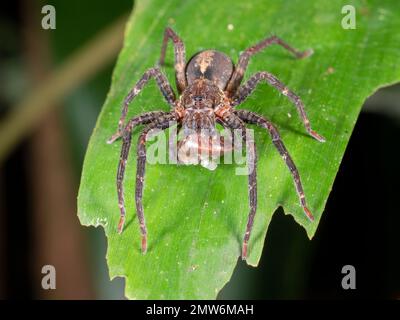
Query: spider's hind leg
x=247, y=88
x=180, y=60
x=244, y=58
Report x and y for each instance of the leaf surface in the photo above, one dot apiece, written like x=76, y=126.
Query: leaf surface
x=196, y=218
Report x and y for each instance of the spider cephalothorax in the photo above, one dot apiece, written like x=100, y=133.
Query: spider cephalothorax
x=199, y=105
x=209, y=88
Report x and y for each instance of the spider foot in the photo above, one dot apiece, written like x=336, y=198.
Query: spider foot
x=305, y=54
x=121, y=224
x=244, y=251
x=161, y=63
x=144, y=244
x=308, y=213
x=316, y=136
x=114, y=137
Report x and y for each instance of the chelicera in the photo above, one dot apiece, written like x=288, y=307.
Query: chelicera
x=210, y=89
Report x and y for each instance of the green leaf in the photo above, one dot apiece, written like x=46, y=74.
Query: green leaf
x=195, y=217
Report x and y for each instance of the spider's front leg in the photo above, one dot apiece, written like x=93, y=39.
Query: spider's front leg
x=230, y=120
x=160, y=121
x=180, y=60
x=244, y=58
x=144, y=118
x=252, y=187
x=246, y=89
x=253, y=118
x=164, y=87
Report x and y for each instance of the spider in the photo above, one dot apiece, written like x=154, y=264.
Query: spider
x=209, y=88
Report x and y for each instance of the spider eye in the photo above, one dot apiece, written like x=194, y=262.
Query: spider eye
x=198, y=98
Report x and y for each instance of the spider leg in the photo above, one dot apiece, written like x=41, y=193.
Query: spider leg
x=252, y=189
x=253, y=118
x=164, y=87
x=232, y=135
x=246, y=89
x=234, y=122
x=180, y=61
x=161, y=122
x=244, y=58
x=126, y=138
x=126, y=145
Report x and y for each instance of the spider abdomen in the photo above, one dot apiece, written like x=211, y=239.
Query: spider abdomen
x=212, y=65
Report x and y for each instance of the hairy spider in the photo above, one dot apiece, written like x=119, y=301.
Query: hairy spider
x=209, y=87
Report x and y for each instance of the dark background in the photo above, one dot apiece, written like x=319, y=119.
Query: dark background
x=38, y=223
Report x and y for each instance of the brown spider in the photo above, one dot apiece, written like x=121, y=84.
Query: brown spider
x=209, y=89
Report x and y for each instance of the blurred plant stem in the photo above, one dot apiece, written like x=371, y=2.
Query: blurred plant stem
x=58, y=239
x=2, y=237
x=78, y=68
